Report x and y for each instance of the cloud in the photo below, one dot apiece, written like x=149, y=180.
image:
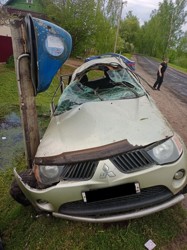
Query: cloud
x=140, y=8
x=144, y=3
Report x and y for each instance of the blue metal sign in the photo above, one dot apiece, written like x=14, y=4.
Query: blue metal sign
x=50, y=46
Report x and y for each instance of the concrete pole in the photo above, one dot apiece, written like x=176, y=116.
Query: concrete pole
x=25, y=91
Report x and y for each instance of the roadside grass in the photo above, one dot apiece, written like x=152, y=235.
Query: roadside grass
x=8, y=87
x=21, y=229
x=178, y=68
x=183, y=70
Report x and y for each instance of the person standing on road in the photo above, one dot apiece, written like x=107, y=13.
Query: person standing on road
x=160, y=74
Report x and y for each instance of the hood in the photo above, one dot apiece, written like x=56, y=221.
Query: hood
x=96, y=124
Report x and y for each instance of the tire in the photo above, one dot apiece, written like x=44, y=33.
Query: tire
x=15, y=191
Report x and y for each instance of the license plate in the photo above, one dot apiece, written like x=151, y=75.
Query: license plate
x=111, y=192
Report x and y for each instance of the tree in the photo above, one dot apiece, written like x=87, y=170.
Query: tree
x=182, y=45
x=104, y=34
x=76, y=17
x=112, y=11
x=162, y=32
x=4, y=16
x=172, y=16
x=129, y=31
x=90, y=23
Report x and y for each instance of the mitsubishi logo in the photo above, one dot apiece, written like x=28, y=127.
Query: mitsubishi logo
x=106, y=172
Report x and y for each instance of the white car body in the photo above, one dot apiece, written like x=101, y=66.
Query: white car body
x=104, y=147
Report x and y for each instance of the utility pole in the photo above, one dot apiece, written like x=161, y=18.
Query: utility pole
x=25, y=90
x=118, y=25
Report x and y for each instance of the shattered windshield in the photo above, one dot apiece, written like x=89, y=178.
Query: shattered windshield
x=114, y=84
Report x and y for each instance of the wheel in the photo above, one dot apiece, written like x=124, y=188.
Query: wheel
x=15, y=191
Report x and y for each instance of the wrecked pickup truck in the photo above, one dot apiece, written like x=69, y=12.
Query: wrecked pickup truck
x=108, y=153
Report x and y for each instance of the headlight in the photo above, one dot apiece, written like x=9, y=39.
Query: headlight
x=49, y=171
x=167, y=152
x=50, y=174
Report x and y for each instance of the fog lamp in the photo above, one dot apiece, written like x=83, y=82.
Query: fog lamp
x=179, y=174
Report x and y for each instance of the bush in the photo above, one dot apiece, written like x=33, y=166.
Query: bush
x=181, y=61
x=10, y=62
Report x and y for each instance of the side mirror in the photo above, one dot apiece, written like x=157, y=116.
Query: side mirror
x=49, y=47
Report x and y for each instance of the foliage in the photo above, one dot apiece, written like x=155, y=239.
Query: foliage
x=182, y=46
x=112, y=10
x=129, y=31
x=104, y=33
x=4, y=16
x=93, y=27
x=166, y=23
x=181, y=61
x=90, y=23
x=10, y=62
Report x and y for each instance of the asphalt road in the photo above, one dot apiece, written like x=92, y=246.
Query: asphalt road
x=174, y=80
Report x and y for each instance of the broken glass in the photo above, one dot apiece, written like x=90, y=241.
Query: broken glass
x=121, y=85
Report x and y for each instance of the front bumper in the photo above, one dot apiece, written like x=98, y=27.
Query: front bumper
x=170, y=201
x=126, y=216
x=65, y=199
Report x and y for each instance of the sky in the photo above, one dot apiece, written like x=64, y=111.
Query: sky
x=142, y=9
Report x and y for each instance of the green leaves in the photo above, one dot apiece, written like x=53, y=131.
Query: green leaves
x=93, y=24
x=164, y=29
x=129, y=32
x=90, y=23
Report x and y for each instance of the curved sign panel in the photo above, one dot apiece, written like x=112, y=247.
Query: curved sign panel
x=49, y=46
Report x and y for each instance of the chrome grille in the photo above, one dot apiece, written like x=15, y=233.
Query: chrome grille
x=79, y=171
x=132, y=161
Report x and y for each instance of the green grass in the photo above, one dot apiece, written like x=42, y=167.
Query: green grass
x=8, y=89
x=184, y=70
x=178, y=68
x=20, y=229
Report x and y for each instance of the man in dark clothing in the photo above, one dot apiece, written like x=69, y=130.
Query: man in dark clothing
x=160, y=74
